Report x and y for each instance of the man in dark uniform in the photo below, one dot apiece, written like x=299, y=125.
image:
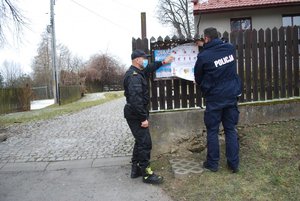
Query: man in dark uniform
x=215, y=72
x=137, y=114
x=199, y=41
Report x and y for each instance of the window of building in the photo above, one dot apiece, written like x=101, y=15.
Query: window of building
x=238, y=24
x=291, y=20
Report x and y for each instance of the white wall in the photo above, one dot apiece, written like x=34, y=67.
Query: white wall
x=261, y=18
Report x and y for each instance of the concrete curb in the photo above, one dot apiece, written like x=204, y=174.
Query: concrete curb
x=60, y=165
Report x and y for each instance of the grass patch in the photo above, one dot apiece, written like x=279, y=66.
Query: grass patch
x=55, y=110
x=269, y=168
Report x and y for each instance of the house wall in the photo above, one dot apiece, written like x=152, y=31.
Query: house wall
x=261, y=18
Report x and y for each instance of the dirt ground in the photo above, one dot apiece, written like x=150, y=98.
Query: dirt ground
x=269, y=168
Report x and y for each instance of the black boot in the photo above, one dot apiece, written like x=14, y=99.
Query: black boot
x=135, y=171
x=150, y=178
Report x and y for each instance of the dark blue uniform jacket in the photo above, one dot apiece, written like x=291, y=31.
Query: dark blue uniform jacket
x=215, y=72
x=137, y=91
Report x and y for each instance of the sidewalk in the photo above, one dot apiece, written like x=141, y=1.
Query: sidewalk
x=104, y=179
x=82, y=156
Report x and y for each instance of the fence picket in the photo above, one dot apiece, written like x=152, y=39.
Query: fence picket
x=154, y=98
x=176, y=93
x=247, y=38
x=261, y=47
x=296, y=60
x=275, y=63
x=241, y=61
x=254, y=65
x=289, y=63
x=191, y=94
x=162, y=97
x=268, y=65
x=198, y=96
x=282, y=62
x=183, y=93
x=169, y=94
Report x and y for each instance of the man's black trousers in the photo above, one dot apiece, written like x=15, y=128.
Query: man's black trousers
x=143, y=144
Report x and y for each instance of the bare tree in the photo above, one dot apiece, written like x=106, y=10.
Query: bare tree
x=11, y=20
x=64, y=57
x=69, y=66
x=41, y=66
x=179, y=14
x=101, y=70
x=1, y=81
x=66, y=60
x=77, y=64
x=12, y=73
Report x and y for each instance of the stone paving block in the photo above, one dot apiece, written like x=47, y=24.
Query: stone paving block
x=88, y=134
x=28, y=166
x=183, y=167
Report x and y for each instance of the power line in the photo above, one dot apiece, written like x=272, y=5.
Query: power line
x=98, y=15
x=117, y=2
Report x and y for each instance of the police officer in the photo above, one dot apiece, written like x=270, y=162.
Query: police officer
x=137, y=114
x=215, y=72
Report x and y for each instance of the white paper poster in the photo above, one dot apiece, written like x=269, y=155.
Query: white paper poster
x=185, y=57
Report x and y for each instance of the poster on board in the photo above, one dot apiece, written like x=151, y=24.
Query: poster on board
x=165, y=71
x=185, y=57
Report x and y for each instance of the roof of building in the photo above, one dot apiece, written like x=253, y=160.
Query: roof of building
x=209, y=6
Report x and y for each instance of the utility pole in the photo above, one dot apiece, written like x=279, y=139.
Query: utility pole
x=53, y=44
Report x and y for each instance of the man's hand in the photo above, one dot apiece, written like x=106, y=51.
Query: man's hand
x=168, y=59
x=145, y=124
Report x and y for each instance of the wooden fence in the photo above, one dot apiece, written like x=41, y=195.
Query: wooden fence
x=69, y=94
x=14, y=99
x=267, y=63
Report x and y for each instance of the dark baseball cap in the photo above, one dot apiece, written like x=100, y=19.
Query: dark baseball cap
x=199, y=37
x=139, y=53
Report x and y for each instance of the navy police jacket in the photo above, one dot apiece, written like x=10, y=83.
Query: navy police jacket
x=215, y=71
x=136, y=91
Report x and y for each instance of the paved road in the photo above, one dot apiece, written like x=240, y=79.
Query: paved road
x=96, y=132
x=83, y=156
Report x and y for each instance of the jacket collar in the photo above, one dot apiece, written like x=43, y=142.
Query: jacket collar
x=136, y=69
x=213, y=43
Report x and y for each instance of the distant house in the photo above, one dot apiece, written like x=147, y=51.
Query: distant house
x=234, y=15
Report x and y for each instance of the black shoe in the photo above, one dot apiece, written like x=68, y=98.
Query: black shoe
x=236, y=170
x=153, y=179
x=233, y=170
x=150, y=178
x=135, y=171
x=209, y=168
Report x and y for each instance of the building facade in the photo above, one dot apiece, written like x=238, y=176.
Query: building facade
x=235, y=15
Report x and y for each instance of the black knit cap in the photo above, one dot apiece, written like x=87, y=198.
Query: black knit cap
x=139, y=53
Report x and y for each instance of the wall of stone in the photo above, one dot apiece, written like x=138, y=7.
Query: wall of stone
x=169, y=129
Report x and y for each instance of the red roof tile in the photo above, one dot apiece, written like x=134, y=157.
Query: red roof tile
x=221, y=5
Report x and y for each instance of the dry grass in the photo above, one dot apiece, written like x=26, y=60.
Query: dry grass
x=269, y=168
x=54, y=110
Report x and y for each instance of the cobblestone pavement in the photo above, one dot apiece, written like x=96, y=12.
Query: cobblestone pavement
x=97, y=132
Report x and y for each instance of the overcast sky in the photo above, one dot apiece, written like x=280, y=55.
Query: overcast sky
x=86, y=27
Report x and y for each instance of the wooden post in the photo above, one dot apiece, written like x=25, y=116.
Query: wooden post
x=143, y=25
